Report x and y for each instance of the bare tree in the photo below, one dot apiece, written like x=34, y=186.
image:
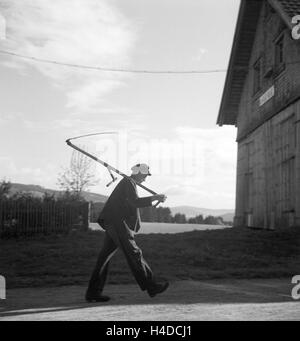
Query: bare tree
x=78, y=177
x=5, y=187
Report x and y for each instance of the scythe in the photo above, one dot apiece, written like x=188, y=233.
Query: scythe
x=109, y=167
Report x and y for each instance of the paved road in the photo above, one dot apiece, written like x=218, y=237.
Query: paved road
x=184, y=301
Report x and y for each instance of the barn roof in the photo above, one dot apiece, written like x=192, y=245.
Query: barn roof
x=241, y=51
x=289, y=7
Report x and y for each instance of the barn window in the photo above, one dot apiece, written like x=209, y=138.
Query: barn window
x=257, y=69
x=249, y=178
x=286, y=155
x=269, y=10
x=280, y=54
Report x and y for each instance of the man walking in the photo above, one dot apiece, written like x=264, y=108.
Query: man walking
x=120, y=219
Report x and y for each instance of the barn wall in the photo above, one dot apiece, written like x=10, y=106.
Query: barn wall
x=268, y=175
x=297, y=165
x=286, y=82
x=268, y=170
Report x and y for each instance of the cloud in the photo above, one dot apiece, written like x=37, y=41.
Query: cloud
x=8, y=167
x=81, y=98
x=191, y=152
x=10, y=170
x=201, y=53
x=218, y=143
x=213, y=182
x=196, y=167
x=89, y=32
x=7, y=120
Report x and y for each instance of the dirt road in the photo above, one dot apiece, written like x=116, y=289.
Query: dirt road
x=184, y=301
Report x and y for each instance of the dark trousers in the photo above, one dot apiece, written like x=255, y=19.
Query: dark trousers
x=122, y=237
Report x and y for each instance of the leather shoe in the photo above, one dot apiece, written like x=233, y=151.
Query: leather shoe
x=96, y=298
x=157, y=288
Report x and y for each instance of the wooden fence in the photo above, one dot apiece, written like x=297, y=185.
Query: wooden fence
x=24, y=218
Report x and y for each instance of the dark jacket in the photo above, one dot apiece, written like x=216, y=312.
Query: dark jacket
x=123, y=204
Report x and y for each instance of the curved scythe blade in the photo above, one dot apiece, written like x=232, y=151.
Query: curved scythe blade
x=110, y=168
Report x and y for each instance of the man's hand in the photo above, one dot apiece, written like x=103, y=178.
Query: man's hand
x=159, y=197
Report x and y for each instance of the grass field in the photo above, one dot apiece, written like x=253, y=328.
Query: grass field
x=147, y=228
x=228, y=253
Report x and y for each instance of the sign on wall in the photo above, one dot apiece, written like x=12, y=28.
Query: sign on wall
x=267, y=96
x=2, y=288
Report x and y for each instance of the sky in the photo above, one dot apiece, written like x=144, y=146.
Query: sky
x=165, y=120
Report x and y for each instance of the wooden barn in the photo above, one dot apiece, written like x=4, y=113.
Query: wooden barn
x=262, y=99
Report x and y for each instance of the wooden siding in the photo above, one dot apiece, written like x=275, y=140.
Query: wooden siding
x=286, y=83
x=268, y=177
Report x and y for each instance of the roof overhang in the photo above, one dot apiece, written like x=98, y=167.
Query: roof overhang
x=241, y=52
x=239, y=61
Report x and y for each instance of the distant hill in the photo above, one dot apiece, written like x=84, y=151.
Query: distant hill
x=39, y=191
x=228, y=217
x=191, y=212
